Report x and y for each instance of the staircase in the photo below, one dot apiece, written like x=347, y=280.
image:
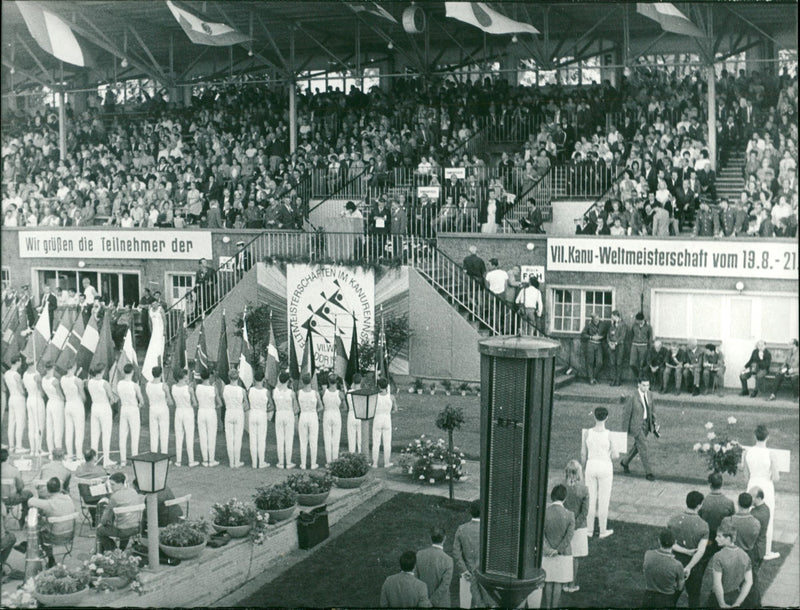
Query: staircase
x=730, y=181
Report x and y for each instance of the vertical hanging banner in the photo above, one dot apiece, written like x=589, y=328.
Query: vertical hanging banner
x=324, y=299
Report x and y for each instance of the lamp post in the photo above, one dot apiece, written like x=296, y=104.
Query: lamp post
x=150, y=470
x=363, y=402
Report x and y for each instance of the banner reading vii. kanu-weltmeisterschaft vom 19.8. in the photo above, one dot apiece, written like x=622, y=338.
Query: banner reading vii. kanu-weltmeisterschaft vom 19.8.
x=763, y=259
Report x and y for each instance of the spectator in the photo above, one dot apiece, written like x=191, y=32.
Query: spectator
x=559, y=527
x=123, y=526
x=788, y=370
x=713, y=368
x=55, y=503
x=435, y=568
x=758, y=365
x=404, y=590
x=663, y=574
x=593, y=335
x=474, y=265
x=16, y=494
x=166, y=514
x=577, y=502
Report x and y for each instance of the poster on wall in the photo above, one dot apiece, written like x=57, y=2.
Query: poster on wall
x=115, y=244
x=526, y=271
x=324, y=299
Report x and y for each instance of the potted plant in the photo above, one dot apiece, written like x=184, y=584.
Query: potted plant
x=419, y=385
x=311, y=489
x=477, y=389
x=433, y=389
x=279, y=500
x=61, y=586
x=114, y=569
x=234, y=517
x=185, y=539
x=463, y=388
x=448, y=387
x=349, y=470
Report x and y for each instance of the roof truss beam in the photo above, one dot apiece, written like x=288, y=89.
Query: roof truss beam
x=153, y=61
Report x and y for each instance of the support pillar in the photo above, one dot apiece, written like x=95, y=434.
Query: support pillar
x=712, y=115
x=62, y=125
x=152, y=532
x=366, y=437
x=292, y=97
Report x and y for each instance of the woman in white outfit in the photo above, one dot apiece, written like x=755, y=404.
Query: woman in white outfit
x=353, y=424
x=597, y=454
x=260, y=405
x=74, y=412
x=236, y=404
x=159, y=398
x=16, y=406
x=131, y=401
x=308, y=424
x=208, y=403
x=101, y=416
x=382, y=425
x=54, y=409
x=332, y=402
x=32, y=382
x=185, y=405
x=761, y=470
x=286, y=410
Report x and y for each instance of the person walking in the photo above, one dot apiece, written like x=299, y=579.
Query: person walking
x=286, y=411
x=663, y=574
x=74, y=412
x=639, y=420
x=691, y=535
x=208, y=405
x=434, y=567
x=332, y=401
x=185, y=407
x=578, y=503
x=382, y=425
x=101, y=416
x=236, y=405
x=559, y=527
x=530, y=300
x=131, y=401
x=597, y=454
x=260, y=407
x=404, y=590
x=308, y=423
x=761, y=470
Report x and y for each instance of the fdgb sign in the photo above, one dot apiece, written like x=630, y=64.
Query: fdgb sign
x=137, y=244
x=762, y=259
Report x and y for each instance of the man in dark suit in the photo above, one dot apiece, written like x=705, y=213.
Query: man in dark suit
x=404, y=590
x=49, y=301
x=435, y=568
x=758, y=365
x=639, y=420
x=474, y=265
x=466, y=550
x=214, y=216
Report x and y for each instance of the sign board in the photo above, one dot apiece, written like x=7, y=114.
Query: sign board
x=226, y=264
x=781, y=457
x=431, y=192
x=115, y=244
x=740, y=259
x=457, y=172
x=526, y=271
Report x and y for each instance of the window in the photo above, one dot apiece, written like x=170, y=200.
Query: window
x=572, y=307
x=5, y=277
x=179, y=284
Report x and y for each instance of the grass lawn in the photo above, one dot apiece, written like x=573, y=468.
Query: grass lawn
x=350, y=570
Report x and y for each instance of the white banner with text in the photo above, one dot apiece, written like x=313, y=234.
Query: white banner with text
x=738, y=259
x=113, y=244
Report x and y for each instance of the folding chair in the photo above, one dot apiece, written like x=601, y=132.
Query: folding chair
x=183, y=500
x=64, y=539
x=87, y=489
x=122, y=541
x=8, y=488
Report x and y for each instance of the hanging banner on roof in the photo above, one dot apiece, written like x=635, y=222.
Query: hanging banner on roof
x=125, y=244
x=735, y=259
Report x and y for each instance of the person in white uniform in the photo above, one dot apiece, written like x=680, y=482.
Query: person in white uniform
x=55, y=408
x=185, y=405
x=16, y=406
x=332, y=402
x=236, y=405
x=761, y=470
x=74, y=412
x=131, y=401
x=32, y=382
x=208, y=405
x=353, y=425
x=101, y=419
x=597, y=454
x=308, y=424
x=382, y=425
x=260, y=407
x=286, y=410
x=159, y=398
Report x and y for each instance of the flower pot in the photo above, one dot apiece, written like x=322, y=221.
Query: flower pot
x=182, y=552
x=463, y=392
x=349, y=483
x=447, y=392
x=112, y=582
x=433, y=392
x=60, y=599
x=312, y=499
x=419, y=391
x=281, y=514
x=234, y=531
x=410, y=390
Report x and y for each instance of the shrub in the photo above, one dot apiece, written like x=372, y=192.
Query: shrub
x=310, y=483
x=419, y=384
x=464, y=387
x=447, y=385
x=450, y=418
x=349, y=466
x=275, y=497
x=233, y=512
x=184, y=533
x=60, y=579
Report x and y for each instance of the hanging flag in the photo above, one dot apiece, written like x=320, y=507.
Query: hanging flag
x=489, y=20
x=272, y=365
x=201, y=351
x=223, y=362
x=60, y=337
x=69, y=352
x=202, y=31
x=38, y=339
x=352, y=362
x=155, y=349
x=669, y=18
x=126, y=356
x=10, y=343
x=104, y=353
x=340, y=363
x=309, y=365
x=178, y=358
x=246, y=354
x=87, y=347
x=52, y=33
x=373, y=8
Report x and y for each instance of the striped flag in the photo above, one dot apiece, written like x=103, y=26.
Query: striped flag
x=69, y=352
x=155, y=349
x=87, y=347
x=200, y=30
x=104, y=353
x=38, y=340
x=52, y=33
x=669, y=18
x=245, y=368
x=487, y=19
x=352, y=362
x=60, y=337
x=201, y=351
x=223, y=362
x=272, y=365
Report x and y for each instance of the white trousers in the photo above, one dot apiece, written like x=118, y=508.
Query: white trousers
x=159, y=429
x=234, y=427
x=353, y=433
x=599, y=477
x=74, y=425
x=129, y=420
x=308, y=429
x=464, y=593
x=184, y=427
x=35, y=408
x=331, y=433
x=284, y=433
x=382, y=431
x=100, y=428
x=16, y=421
x=258, y=437
x=55, y=423
x=207, y=431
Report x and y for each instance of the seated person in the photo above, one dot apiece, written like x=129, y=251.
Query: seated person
x=789, y=369
x=166, y=514
x=56, y=504
x=654, y=361
x=713, y=367
x=7, y=539
x=17, y=494
x=90, y=469
x=123, y=526
x=758, y=365
x=673, y=366
x=57, y=469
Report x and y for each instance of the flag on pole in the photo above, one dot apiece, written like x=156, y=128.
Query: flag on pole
x=155, y=349
x=381, y=354
x=294, y=365
x=87, y=347
x=669, y=18
x=489, y=20
x=352, y=362
x=309, y=365
x=53, y=34
x=60, y=337
x=340, y=362
x=69, y=352
x=272, y=364
x=104, y=352
x=223, y=362
x=245, y=355
x=201, y=351
x=10, y=343
x=126, y=356
x=38, y=339
x=373, y=8
x=201, y=30
x=178, y=359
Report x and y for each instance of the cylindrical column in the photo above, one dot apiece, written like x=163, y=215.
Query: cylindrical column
x=152, y=531
x=365, y=439
x=711, y=76
x=62, y=125
x=517, y=376
x=34, y=562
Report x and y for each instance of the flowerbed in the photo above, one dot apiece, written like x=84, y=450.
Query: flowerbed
x=430, y=461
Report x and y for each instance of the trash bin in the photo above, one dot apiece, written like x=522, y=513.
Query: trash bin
x=312, y=527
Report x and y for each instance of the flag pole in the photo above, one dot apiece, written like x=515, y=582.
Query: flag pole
x=335, y=321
